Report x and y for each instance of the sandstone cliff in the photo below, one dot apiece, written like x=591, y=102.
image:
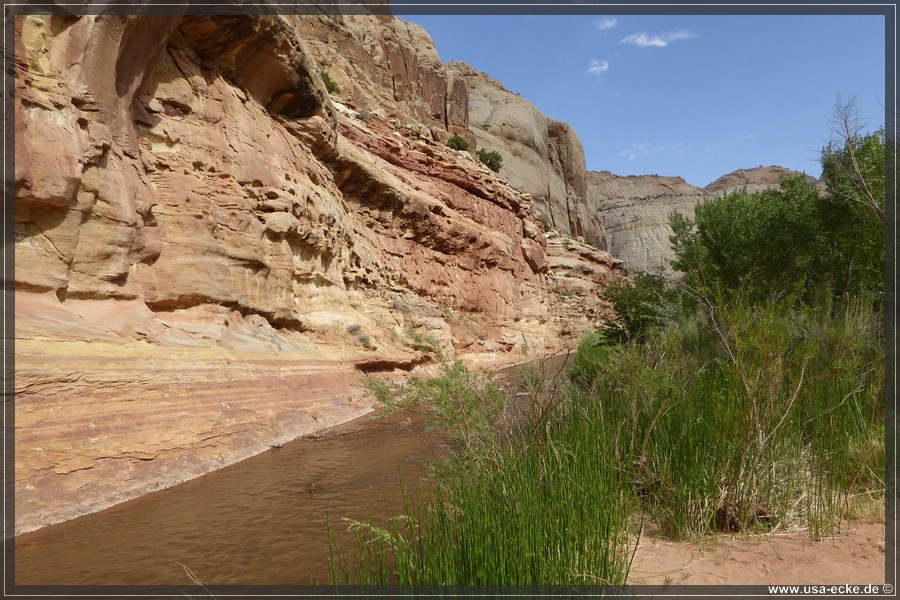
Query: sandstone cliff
x=541, y=156
x=209, y=246
x=635, y=210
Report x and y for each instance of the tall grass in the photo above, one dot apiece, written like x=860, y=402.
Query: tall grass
x=531, y=511
x=739, y=417
x=752, y=417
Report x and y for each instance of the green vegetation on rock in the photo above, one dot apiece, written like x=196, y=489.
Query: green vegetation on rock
x=491, y=159
x=330, y=86
x=457, y=143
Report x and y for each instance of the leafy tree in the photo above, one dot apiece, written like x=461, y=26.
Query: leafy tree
x=492, y=160
x=789, y=241
x=797, y=240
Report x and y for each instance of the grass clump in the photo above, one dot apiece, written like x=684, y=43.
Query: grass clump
x=466, y=404
x=508, y=508
x=425, y=342
x=363, y=338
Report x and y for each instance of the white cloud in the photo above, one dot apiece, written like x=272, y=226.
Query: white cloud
x=645, y=40
x=598, y=66
x=606, y=23
x=643, y=148
x=636, y=150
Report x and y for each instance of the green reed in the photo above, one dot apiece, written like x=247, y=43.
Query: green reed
x=530, y=511
x=737, y=418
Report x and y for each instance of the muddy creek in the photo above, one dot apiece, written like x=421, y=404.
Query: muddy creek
x=260, y=521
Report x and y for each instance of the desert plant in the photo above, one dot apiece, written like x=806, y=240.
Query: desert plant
x=426, y=342
x=465, y=404
x=593, y=349
x=330, y=85
x=546, y=223
x=457, y=143
x=356, y=331
x=769, y=420
x=491, y=159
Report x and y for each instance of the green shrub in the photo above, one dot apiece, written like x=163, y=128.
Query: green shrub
x=546, y=223
x=593, y=350
x=330, y=85
x=492, y=160
x=773, y=421
x=457, y=143
x=465, y=404
x=643, y=302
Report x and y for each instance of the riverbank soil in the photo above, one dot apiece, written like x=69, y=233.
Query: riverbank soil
x=855, y=556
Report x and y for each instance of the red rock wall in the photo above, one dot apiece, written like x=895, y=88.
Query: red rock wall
x=208, y=246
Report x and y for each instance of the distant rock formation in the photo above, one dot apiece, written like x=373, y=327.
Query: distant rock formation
x=209, y=245
x=753, y=180
x=635, y=209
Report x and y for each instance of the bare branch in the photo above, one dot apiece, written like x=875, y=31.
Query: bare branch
x=847, y=127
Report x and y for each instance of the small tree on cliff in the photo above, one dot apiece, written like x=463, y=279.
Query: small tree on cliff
x=492, y=160
x=457, y=143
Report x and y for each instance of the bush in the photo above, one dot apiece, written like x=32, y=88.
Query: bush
x=492, y=160
x=330, y=85
x=593, y=350
x=770, y=420
x=642, y=303
x=356, y=331
x=457, y=143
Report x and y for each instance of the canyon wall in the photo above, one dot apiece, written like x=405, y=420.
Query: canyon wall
x=541, y=156
x=210, y=248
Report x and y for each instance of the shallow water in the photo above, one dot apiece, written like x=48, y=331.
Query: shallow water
x=260, y=521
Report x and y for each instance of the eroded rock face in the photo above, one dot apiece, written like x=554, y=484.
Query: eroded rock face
x=577, y=270
x=541, y=156
x=390, y=68
x=635, y=210
x=209, y=245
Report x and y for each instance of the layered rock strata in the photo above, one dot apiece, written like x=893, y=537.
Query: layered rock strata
x=541, y=156
x=635, y=210
x=210, y=247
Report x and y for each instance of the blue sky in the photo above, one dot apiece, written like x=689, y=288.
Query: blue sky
x=690, y=95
